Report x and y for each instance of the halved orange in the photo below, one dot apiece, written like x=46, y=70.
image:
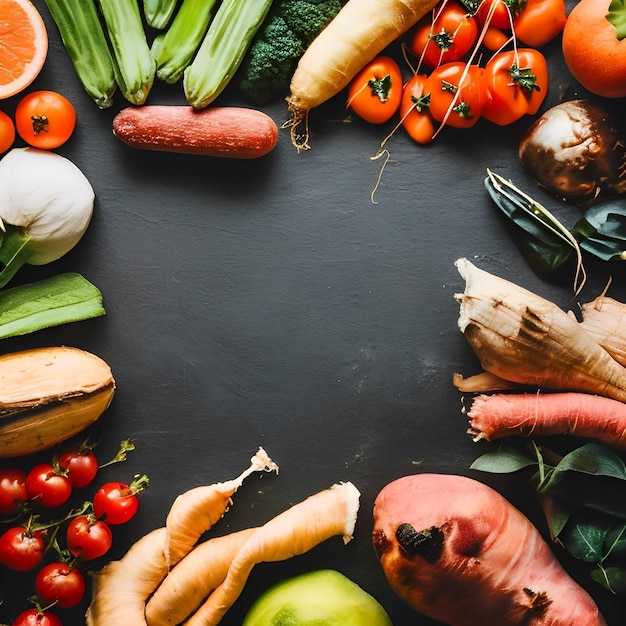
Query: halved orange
x=23, y=45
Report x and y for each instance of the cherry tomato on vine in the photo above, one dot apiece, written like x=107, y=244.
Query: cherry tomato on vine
x=116, y=502
x=37, y=617
x=415, y=110
x=518, y=84
x=48, y=485
x=80, y=464
x=374, y=93
x=7, y=132
x=45, y=119
x=12, y=489
x=60, y=583
x=457, y=97
x=20, y=549
x=448, y=37
x=88, y=538
x=540, y=22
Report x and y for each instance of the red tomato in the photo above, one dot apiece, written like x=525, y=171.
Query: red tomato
x=45, y=119
x=116, y=502
x=503, y=12
x=374, y=93
x=61, y=584
x=457, y=97
x=12, y=490
x=80, y=464
x=414, y=110
x=7, y=132
x=37, y=617
x=48, y=486
x=540, y=22
x=495, y=39
x=517, y=84
x=21, y=550
x=594, y=54
x=449, y=37
x=88, y=538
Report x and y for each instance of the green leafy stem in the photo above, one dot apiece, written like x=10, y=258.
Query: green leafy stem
x=582, y=497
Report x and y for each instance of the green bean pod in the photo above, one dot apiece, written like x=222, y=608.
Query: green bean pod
x=222, y=50
x=85, y=41
x=132, y=60
x=158, y=13
x=174, y=49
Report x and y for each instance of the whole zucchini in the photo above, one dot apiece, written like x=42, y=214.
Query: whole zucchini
x=48, y=395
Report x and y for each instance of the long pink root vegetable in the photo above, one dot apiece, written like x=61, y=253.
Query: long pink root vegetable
x=459, y=552
x=121, y=588
x=498, y=415
x=297, y=530
x=197, y=510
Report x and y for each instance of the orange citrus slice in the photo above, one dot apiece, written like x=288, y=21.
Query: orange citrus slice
x=23, y=45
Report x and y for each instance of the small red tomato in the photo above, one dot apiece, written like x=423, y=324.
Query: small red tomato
x=517, y=81
x=374, y=93
x=48, y=486
x=540, y=22
x=21, y=550
x=45, y=119
x=457, y=94
x=12, y=490
x=61, y=584
x=80, y=464
x=502, y=12
x=7, y=132
x=88, y=538
x=415, y=110
x=37, y=617
x=449, y=37
x=117, y=503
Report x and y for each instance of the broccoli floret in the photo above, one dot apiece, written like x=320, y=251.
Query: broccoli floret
x=307, y=18
x=274, y=54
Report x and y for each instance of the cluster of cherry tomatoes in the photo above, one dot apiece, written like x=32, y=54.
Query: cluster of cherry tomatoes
x=56, y=550
x=450, y=85
x=43, y=119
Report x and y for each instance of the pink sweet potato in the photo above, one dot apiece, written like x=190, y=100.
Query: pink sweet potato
x=459, y=552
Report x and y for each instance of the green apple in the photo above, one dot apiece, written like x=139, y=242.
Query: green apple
x=318, y=598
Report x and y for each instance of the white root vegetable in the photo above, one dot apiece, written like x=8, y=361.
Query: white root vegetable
x=526, y=339
x=297, y=530
x=360, y=30
x=121, y=588
x=198, y=509
x=193, y=578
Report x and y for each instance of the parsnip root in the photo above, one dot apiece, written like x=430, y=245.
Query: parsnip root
x=297, y=530
x=197, y=510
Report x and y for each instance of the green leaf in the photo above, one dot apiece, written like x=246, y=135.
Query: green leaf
x=545, y=243
x=505, y=460
x=602, y=230
x=58, y=300
x=611, y=578
x=591, y=476
x=584, y=541
x=617, y=17
x=615, y=542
